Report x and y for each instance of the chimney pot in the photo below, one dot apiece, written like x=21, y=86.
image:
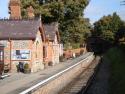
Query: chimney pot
x=30, y=12
x=15, y=11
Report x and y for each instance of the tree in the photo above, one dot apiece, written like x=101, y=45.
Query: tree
x=120, y=35
x=68, y=13
x=26, y=3
x=107, y=27
x=50, y=10
x=74, y=27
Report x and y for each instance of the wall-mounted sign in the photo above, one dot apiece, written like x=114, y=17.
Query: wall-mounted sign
x=21, y=55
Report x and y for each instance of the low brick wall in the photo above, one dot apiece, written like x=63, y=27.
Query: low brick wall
x=69, y=53
x=54, y=86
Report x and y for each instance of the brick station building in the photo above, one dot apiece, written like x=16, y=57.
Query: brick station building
x=53, y=47
x=27, y=41
x=23, y=42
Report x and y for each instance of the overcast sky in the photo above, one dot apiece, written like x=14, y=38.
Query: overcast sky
x=95, y=10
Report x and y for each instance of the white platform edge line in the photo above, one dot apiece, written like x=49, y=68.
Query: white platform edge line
x=48, y=79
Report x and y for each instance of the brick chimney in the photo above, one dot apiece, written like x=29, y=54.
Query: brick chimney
x=30, y=12
x=15, y=10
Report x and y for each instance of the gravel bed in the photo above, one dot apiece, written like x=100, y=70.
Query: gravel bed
x=80, y=82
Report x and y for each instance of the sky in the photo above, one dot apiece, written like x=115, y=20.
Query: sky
x=94, y=11
x=98, y=8
x=4, y=8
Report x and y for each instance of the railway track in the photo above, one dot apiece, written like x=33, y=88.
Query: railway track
x=79, y=84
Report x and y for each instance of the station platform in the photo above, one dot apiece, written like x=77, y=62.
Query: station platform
x=18, y=82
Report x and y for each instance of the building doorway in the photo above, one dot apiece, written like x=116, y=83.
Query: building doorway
x=1, y=59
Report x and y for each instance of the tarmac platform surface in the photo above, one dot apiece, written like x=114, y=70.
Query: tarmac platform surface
x=18, y=82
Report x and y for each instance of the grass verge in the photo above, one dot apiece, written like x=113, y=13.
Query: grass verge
x=116, y=56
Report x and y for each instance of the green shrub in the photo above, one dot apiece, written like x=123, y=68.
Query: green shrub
x=75, y=45
x=71, y=46
x=116, y=57
x=26, y=66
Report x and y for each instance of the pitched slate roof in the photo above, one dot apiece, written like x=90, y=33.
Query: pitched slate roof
x=50, y=31
x=19, y=29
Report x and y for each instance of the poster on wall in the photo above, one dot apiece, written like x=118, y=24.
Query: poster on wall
x=21, y=54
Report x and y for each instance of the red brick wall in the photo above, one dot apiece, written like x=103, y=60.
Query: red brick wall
x=49, y=52
x=15, y=12
x=69, y=53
